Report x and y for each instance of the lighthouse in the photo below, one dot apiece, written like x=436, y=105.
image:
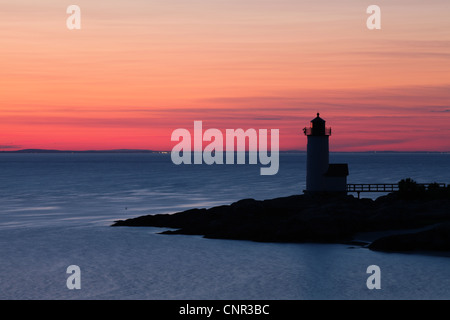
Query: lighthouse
x=321, y=176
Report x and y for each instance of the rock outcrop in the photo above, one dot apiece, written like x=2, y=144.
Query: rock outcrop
x=325, y=218
x=434, y=239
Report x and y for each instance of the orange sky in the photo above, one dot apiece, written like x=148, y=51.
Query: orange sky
x=137, y=70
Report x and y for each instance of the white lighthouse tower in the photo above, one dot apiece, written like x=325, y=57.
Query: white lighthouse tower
x=320, y=175
x=317, y=160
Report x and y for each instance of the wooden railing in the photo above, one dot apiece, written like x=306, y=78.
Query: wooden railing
x=382, y=187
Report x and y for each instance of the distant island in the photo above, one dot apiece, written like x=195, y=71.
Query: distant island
x=423, y=214
x=83, y=151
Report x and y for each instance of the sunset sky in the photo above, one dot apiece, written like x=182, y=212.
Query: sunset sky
x=139, y=69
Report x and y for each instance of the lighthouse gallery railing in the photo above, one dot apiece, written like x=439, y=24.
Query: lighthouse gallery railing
x=311, y=131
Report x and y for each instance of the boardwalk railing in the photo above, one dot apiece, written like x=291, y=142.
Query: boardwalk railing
x=382, y=187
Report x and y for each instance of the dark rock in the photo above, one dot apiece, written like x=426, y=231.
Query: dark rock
x=304, y=218
x=435, y=239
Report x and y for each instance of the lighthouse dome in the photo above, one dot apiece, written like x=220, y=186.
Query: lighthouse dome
x=318, y=120
x=318, y=126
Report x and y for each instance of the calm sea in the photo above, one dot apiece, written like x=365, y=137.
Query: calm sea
x=56, y=211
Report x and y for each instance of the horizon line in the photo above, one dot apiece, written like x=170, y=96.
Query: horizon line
x=38, y=150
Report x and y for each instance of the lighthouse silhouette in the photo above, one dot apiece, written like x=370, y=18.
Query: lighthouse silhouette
x=321, y=176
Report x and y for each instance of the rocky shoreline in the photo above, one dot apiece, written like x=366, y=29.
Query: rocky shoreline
x=321, y=219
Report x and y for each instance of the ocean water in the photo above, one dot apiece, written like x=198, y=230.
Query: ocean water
x=56, y=211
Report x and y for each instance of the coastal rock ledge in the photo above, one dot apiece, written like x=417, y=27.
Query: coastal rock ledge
x=322, y=219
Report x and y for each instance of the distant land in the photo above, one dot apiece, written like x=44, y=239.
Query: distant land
x=161, y=151
x=82, y=151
